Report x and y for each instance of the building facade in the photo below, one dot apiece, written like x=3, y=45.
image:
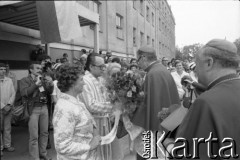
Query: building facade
x=124, y=26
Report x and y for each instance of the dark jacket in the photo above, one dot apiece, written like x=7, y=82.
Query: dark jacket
x=30, y=92
x=160, y=92
x=215, y=113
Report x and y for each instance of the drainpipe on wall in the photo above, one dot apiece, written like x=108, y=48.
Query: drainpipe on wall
x=127, y=52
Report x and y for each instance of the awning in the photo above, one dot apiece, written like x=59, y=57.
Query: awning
x=40, y=16
x=22, y=14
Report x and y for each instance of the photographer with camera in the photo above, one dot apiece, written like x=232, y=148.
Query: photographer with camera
x=47, y=69
x=34, y=90
x=45, y=63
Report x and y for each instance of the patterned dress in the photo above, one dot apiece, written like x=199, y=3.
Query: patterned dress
x=94, y=96
x=73, y=130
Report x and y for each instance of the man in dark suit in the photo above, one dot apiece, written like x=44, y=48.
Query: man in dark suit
x=159, y=88
x=213, y=119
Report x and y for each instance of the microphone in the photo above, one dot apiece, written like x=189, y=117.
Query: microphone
x=187, y=80
x=199, y=86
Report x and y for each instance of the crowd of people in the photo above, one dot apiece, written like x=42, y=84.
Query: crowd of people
x=72, y=99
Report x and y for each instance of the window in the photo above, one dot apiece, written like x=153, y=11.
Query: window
x=148, y=40
x=118, y=21
x=100, y=17
x=96, y=7
x=165, y=30
x=153, y=19
x=119, y=26
x=142, y=7
x=160, y=46
x=134, y=37
x=159, y=24
x=147, y=14
x=153, y=43
x=162, y=27
x=135, y=4
x=93, y=6
x=142, y=38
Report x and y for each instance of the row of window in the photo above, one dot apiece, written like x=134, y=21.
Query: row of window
x=161, y=7
x=161, y=24
x=96, y=7
x=141, y=38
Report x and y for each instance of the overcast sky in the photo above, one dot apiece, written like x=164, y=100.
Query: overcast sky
x=199, y=21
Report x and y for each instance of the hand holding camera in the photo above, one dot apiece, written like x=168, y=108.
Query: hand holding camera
x=39, y=81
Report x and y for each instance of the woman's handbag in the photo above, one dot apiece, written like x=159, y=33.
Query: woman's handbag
x=17, y=110
x=22, y=111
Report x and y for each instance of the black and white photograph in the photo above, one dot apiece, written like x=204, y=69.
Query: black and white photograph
x=120, y=79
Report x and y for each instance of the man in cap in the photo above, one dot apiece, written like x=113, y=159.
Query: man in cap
x=214, y=115
x=159, y=88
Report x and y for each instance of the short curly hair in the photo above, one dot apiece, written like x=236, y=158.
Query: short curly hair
x=67, y=76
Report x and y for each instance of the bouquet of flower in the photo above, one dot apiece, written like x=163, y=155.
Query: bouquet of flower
x=126, y=89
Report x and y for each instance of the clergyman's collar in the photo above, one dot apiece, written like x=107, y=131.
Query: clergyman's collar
x=150, y=65
x=222, y=79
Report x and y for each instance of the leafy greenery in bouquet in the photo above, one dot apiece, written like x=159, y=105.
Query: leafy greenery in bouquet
x=126, y=89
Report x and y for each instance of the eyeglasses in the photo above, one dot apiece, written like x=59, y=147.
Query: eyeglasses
x=102, y=67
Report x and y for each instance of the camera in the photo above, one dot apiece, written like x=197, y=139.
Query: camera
x=47, y=65
x=43, y=99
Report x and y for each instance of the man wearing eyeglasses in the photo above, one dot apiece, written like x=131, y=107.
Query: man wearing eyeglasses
x=159, y=88
x=94, y=96
x=165, y=61
x=7, y=97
